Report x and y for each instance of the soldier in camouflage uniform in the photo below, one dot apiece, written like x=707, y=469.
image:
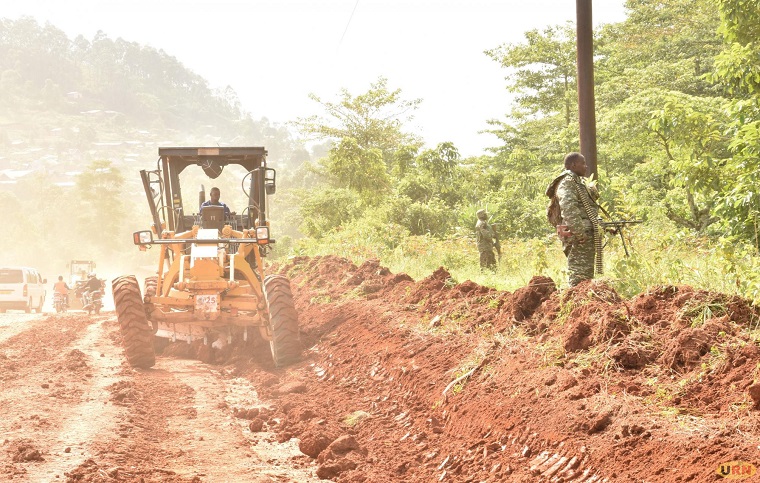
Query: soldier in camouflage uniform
x=487, y=241
x=577, y=230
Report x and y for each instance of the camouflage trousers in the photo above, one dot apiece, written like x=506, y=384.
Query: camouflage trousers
x=487, y=259
x=580, y=261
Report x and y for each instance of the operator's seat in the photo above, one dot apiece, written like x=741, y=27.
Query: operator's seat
x=212, y=217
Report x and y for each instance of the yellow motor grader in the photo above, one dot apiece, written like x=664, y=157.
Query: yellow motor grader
x=210, y=282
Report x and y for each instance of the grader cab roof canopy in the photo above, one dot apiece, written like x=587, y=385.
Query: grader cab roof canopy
x=248, y=157
x=164, y=193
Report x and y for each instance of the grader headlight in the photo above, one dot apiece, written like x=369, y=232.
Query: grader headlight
x=262, y=235
x=142, y=237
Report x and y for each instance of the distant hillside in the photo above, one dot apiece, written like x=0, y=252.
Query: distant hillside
x=64, y=103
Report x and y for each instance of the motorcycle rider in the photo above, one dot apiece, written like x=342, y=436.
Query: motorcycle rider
x=92, y=285
x=61, y=287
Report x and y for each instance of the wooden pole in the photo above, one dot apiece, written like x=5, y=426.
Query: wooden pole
x=586, y=109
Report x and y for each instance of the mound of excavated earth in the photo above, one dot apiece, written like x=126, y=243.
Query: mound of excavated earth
x=434, y=380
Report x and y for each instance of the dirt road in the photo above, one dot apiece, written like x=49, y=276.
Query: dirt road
x=401, y=380
x=73, y=411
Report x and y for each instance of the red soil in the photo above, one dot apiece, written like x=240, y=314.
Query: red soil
x=434, y=380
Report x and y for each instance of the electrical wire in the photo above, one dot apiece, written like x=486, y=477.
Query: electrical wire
x=348, y=23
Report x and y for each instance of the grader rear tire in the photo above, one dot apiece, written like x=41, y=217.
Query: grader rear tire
x=283, y=320
x=135, y=329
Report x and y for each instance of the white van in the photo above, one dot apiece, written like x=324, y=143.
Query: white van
x=21, y=288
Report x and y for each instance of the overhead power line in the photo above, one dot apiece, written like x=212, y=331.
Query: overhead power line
x=348, y=23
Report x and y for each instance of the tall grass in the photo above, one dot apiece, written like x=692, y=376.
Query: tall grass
x=655, y=259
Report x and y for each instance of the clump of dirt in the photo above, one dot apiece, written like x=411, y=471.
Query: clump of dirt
x=576, y=335
x=526, y=300
x=438, y=379
x=635, y=351
x=24, y=450
x=123, y=393
x=75, y=361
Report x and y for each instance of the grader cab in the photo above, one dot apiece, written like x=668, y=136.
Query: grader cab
x=210, y=281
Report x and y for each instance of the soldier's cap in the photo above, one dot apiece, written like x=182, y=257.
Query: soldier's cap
x=480, y=212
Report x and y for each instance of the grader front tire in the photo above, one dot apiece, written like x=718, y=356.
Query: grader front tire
x=135, y=329
x=283, y=319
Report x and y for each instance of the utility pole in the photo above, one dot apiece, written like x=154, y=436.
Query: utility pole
x=586, y=109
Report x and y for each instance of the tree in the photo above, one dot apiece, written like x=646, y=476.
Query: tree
x=690, y=132
x=358, y=168
x=325, y=210
x=738, y=69
x=738, y=65
x=374, y=119
x=542, y=71
x=439, y=169
x=667, y=44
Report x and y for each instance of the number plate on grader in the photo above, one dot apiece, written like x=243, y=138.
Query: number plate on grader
x=206, y=303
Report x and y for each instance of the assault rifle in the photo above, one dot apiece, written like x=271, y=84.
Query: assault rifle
x=615, y=227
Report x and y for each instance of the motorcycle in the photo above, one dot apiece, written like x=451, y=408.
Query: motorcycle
x=93, y=302
x=60, y=302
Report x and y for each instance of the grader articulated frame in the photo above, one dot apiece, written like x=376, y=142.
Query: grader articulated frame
x=210, y=282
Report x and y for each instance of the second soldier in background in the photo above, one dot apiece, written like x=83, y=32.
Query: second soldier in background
x=487, y=240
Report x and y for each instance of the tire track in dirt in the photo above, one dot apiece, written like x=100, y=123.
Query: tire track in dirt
x=179, y=427
x=282, y=461
x=213, y=430
x=78, y=428
x=48, y=372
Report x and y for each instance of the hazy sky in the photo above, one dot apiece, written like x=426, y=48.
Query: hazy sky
x=275, y=52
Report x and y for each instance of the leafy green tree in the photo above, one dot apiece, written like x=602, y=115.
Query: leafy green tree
x=542, y=74
x=440, y=169
x=659, y=118
x=432, y=217
x=403, y=160
x=359, y=169
x=738, y=65
x=663, y=46
x=542, y=70
x=374, y=119
x=689, y=131
x=667, y=44
x=741, y=30
x=738, y=69
x=368, y=143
